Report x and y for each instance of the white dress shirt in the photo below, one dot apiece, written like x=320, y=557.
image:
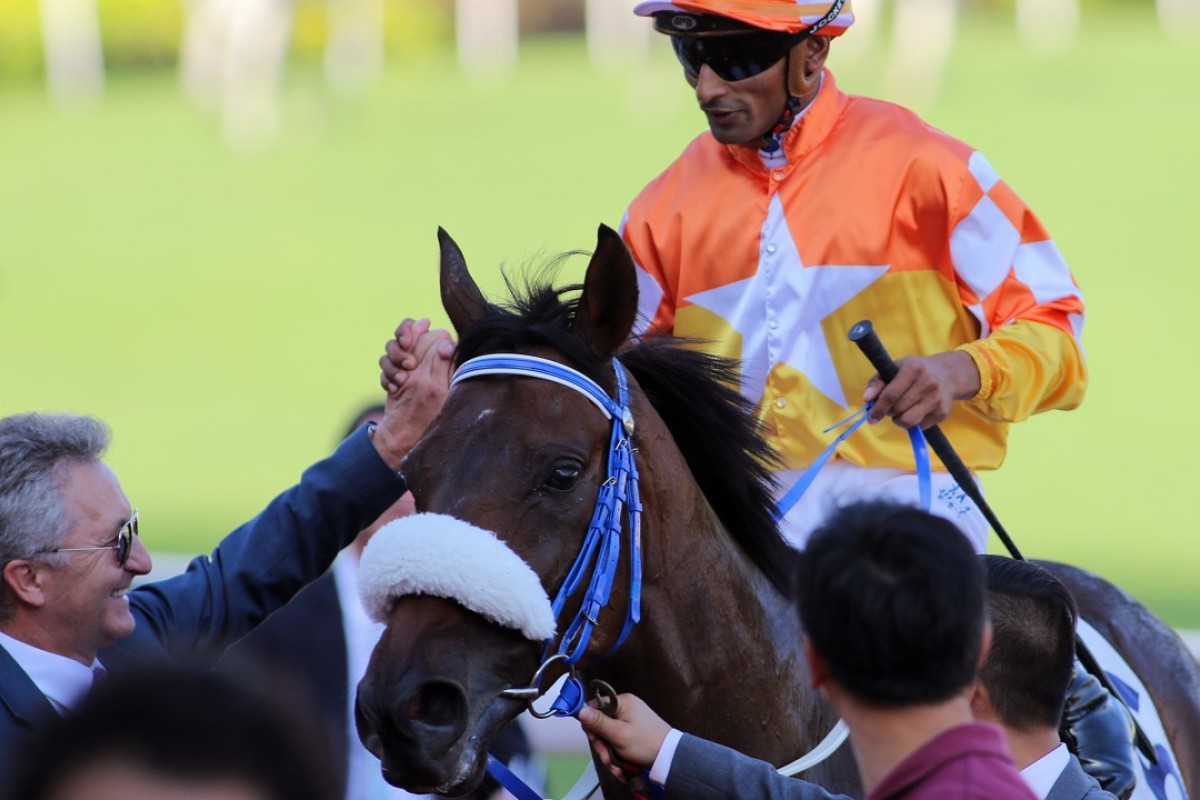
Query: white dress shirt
x=62, y=680
x=1041, y=774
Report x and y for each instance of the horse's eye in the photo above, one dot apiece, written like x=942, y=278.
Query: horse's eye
x=563, y=478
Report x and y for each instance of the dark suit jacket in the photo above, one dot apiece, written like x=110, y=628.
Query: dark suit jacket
x=1075, y=784
x=704, y=770
x=304, y=644
x=221, y=597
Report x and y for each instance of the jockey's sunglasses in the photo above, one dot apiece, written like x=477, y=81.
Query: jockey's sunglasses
x=124, y=545
x=734, y=56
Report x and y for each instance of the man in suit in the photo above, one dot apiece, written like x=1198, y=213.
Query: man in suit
x=322, y=640
x=1022, y=686
x=1023, y=683
x=69, y=548
x=892, y=599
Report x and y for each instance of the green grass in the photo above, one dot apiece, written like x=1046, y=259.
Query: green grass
x=225, y=313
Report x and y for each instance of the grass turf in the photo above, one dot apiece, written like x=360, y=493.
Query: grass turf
x=224, y=313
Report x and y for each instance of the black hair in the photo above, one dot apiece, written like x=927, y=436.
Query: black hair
x=892, y=598
x=1030, y=663
x=185, y=723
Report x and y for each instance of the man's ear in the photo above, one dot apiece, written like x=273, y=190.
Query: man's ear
x=985, y=645
x=805, y=64
x=816, y=50
x=981, y=703
x=24, y=580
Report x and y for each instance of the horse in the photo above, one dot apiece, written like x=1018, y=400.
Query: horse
x=718, y=650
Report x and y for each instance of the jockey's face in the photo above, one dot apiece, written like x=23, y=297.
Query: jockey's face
x=741, y=112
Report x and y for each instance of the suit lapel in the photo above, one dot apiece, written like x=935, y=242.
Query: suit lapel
x=20, y=695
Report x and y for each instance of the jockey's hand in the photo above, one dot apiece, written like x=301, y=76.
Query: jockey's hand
x=924, y=389
x=414, y=393
x=635, y=735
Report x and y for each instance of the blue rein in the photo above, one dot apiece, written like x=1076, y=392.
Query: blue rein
x=852, y=423
x=618, y=497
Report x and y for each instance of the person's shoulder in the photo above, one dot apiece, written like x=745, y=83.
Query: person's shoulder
x=699, y=161
x=1075, y=784
x=903, y=131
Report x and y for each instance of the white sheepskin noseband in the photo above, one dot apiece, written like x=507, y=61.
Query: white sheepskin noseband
x=435, y=554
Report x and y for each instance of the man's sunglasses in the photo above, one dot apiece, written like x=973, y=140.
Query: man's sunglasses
x=123, y=546
x=734, y=56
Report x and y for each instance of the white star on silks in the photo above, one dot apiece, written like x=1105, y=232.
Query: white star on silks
x=797, y=298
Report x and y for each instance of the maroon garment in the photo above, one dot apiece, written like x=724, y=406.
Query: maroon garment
x=970, y=762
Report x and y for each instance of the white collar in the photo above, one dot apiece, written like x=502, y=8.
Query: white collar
x=1042, y=774
x=778, y=158
x=62, y=680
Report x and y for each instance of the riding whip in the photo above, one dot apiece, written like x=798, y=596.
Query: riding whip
x=863, y=334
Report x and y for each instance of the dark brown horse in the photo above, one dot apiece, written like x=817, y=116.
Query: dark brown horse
x=719, y=649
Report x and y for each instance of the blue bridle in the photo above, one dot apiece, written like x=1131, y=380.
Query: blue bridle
x=601, y=550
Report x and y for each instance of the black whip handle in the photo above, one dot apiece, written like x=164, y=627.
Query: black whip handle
x=863, y=334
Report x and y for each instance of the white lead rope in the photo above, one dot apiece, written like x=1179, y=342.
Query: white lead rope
x=828, y=746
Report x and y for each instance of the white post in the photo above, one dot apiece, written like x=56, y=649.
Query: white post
x=252, y=72
x=487, y=33
x=615, y=35
x=354, y=53
x=914, y=72
x=864, y=33
x=1048, y=26
x=74, y=54
x=1179, y=18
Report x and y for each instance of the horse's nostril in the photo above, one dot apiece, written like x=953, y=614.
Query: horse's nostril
x=437, y=704
x=439, y=710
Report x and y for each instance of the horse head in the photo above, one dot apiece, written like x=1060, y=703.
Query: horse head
x=508, y=479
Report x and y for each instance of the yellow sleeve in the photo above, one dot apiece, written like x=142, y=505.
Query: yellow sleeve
x=1025, y=368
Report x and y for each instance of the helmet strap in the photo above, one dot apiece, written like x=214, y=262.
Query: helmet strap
x=772, y=137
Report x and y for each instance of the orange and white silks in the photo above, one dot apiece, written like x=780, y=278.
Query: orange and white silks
x=876, y=215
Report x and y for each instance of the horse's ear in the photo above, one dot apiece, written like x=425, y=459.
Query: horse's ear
x=608, y=304
x=461, y=298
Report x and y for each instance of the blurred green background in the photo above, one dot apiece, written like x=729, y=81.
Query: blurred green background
x=224, y=311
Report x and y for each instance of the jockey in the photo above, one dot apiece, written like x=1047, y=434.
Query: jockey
x=804, y=210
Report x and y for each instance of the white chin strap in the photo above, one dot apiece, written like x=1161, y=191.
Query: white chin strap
x=438, y=555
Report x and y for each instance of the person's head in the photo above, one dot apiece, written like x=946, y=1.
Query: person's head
x=65, y=526
x=1023, y=681
x=175, y=732
x=753, y=63
x=892, y=601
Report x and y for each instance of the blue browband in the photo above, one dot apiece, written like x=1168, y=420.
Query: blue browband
x=601, y=550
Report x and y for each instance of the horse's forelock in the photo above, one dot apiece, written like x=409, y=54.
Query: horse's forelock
x=711, y=422
x=538, y=317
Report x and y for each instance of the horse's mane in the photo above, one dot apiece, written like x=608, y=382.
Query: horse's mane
x=712, y=423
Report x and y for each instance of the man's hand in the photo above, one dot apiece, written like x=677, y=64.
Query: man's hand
x=635, y=735
x=401, y=355
x=416, y=376
x=924, y=390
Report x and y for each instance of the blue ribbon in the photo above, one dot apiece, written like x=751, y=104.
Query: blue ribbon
x=854, y=422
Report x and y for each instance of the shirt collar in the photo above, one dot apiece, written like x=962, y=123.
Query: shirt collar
x=62, y=680
x=778, y=157
x=806, y=133
x=1043, y=773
